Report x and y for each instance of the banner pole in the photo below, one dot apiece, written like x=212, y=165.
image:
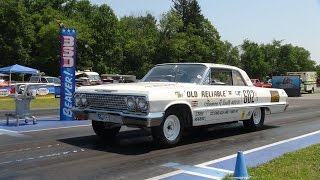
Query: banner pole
x=67, y=71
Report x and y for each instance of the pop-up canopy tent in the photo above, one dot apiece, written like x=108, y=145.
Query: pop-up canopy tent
x=18, y=69
x=3, y=75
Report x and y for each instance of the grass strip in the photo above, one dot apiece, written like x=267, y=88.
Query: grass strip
x=48, y=101
x=302, y=164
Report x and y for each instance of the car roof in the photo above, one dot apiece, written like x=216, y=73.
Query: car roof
x=207, y=65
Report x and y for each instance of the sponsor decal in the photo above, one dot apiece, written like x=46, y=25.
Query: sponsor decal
x=67, y=71
x=249, y=113
x=275, y=97
x=237, y=93
x=222, y=102
x=178, y=94
x=210, y=103
x=42, y=91
x=213, y=93
x=222, y=112
x=243, y=114
x=200, y=113
x=200, y=119
x=194, y=103
x=192, y=94
x=4, y=92
x=235, y=102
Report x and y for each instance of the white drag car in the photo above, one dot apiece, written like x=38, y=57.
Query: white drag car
x=176, y=96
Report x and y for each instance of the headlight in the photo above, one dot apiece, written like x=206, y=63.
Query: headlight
x=142, y=104
x=131, y=104
x=77, y=101
x=83, y=99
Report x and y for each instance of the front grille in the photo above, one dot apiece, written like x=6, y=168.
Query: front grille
x=106, y=101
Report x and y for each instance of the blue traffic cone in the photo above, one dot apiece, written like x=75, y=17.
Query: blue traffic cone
x=240, y=171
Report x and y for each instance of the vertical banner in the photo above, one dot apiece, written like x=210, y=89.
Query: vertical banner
x=67, y=71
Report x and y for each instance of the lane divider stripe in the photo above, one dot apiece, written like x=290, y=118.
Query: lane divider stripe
x=259, y=148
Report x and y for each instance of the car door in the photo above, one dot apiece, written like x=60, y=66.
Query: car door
x=217, y=95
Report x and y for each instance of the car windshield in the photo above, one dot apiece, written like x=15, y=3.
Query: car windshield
x=94, y=77
x=34, y=79
x=184, y=73
x=53, y=80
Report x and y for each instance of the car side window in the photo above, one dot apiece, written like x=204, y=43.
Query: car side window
x=237, y=79
x=43, y=80
x=221, y=77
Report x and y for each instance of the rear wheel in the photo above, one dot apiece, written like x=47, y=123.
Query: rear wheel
x=103, y=130
x=256, y=121
x=169, y=133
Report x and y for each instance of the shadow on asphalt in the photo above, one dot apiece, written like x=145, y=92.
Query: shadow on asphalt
x=136, y=142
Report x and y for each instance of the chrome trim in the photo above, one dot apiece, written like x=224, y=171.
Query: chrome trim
x=145, y=120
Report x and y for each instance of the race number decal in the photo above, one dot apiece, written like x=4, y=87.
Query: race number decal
x=248, y=96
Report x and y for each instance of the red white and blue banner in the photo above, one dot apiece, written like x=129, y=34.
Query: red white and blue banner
x=67, y=71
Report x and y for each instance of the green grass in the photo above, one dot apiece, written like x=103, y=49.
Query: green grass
x=40, y=102
x=303, y=164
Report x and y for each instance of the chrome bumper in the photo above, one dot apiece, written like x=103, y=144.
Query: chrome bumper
x=147, y=120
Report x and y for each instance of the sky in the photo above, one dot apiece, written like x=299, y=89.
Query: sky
x=293, y=21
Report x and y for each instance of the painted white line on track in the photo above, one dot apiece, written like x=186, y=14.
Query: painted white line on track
x=259, y=148
x=202, y=175
x=9, y=131
x=55, y=128
x=166, y=175
x=213, y=168
x=58, y=154
x=204, y=165
x=39, y=117
x=12, y=133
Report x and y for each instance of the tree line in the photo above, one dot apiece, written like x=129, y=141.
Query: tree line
x=29, y=35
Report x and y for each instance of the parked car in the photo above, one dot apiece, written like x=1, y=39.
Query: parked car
x=38, y=78
x=87, y=78
x=178, y=96
x=258, y=83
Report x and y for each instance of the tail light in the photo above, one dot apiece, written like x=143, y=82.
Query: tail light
x=12, y=90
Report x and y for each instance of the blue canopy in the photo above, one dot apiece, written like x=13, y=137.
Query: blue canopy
x=18, y=69
x=2, y=75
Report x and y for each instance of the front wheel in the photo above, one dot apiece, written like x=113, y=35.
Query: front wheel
x=256, y=121
x=169, y=133
x=104, y=131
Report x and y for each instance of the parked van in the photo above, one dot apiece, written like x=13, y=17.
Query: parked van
x=308, y=80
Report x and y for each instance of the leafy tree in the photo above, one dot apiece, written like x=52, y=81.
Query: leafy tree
x=29, y=35
x=252, y=60
x=139, y=43
x=106, y=48
x=17, y=33
x=189, y=12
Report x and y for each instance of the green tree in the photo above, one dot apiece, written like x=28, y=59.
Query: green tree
x=140, y=36
x=252, y=59
x=189, y=12
x=107, y=49
x=17, y=33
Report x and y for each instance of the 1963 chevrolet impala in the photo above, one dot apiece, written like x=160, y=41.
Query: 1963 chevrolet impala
x=173, y=97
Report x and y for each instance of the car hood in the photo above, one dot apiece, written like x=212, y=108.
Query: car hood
x=134, y=88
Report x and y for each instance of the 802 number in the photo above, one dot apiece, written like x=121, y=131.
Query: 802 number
x=249, y=96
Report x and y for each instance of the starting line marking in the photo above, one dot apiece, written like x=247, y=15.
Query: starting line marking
x=204, y=165
x=55, y=128
x=11, y=133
